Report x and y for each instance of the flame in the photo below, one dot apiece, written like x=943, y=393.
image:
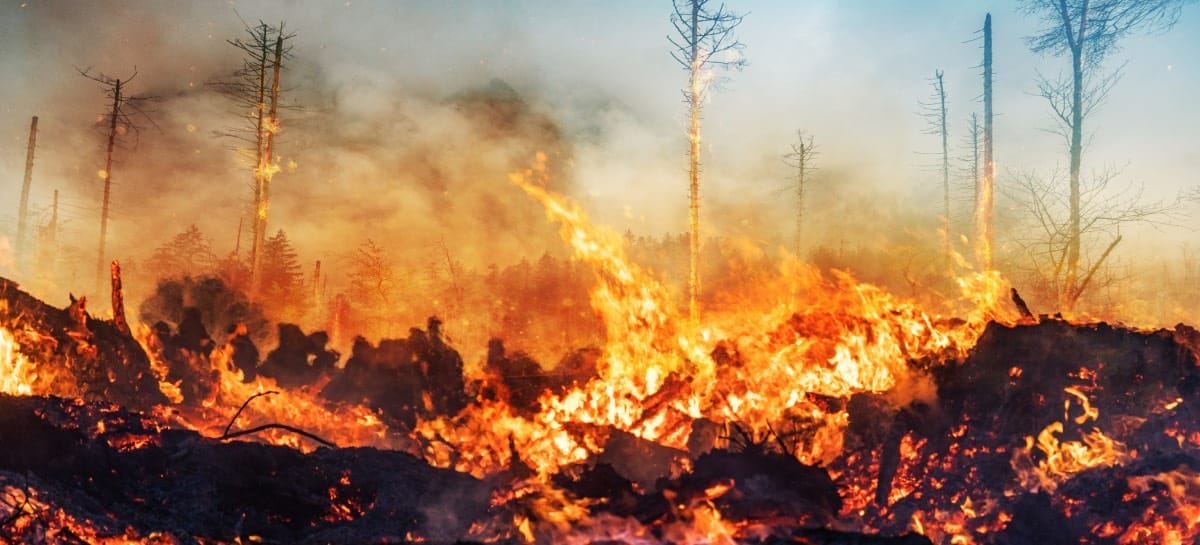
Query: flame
x=343, y=425
x=1063, y=459
x=658, y=373
x=16, y=374
x=845, y=337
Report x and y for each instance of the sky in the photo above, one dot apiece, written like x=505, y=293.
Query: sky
x=398, y=136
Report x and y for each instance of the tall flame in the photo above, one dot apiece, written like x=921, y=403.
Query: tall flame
x=16, y=374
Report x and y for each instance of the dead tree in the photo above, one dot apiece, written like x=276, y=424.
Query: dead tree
x=118, y=122
x=934, y=113
x=1088, y=31
x=47, y=247
x=1047, y=241
x=801, y=158
x=985, y=193
x=316, y=285
x=371, y=274
x=970, y=160
x=441, y=254
x=373, y=285
x=703, y=42
x=969, y=176
x=23, y=209
x=254, y=89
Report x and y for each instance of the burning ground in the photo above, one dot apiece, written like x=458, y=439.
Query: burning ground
x=823, y=410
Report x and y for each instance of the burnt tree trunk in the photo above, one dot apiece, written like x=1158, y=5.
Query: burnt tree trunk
x=112, y=140
x=118, y=300
x=23, y=210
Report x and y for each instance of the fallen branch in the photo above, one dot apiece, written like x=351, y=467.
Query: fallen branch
x=243, y=407
x=284, y=427
x=227, y=435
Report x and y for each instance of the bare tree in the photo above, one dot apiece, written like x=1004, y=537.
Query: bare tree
x=118, y=122
x=985, y=191
x=801, y=158
x=703, y=42
x=372, y=278
x=934, y=113
x=441, y=260
x=254, y=89
x=970, y=159
x=1046, y=244
x=1089, y=31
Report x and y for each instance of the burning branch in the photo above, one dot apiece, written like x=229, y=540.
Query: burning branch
x=284, y=427
x=226, y=436
x=243, y=407
x=118, y=300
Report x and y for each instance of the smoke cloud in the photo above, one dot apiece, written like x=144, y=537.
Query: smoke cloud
x=408, y=117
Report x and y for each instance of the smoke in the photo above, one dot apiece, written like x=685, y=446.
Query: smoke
x=7, y=266
x=409, y=117
x=364, y=153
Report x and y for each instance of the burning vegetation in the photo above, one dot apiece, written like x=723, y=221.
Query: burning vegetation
x=683, y=390
x=849, y=416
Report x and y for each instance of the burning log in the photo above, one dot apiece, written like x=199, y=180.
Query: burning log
x=118, y=300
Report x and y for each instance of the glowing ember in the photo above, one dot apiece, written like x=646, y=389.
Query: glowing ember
x=1063, y=459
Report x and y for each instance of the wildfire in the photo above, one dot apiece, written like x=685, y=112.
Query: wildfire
x=774, y=366
x=658, y=373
